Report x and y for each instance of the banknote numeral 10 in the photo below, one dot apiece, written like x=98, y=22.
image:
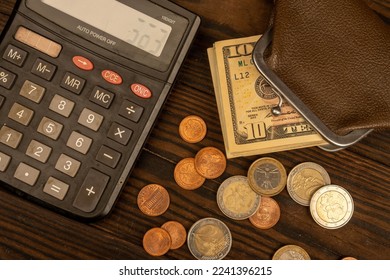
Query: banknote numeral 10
x=240, y=50
x=255, y=130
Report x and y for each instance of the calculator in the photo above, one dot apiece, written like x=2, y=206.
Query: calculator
x=81, y=86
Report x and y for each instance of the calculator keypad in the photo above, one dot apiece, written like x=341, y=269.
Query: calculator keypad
x=67, y=131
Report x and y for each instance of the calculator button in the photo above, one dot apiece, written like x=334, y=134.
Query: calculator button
x=141, y=91
x=91, y=190
x=4, y=161
x=38, y=42
x=50, y=128
x=15, y=55
x=26, y=174
x=79, y=142
x=112, y=77
x=56, y=188
x=67, y=165
x=2, y=99
x=101, y=97
x=10, y=137
x=32, y=91
x=7, y=78
x=90, y=119
x=38, y=151
x=43, y=69
x=108, y=156
x=119, y=133
x=82, y=63
x=20, y=114
x=61, y=105
x=131, y=111
x=72, y=83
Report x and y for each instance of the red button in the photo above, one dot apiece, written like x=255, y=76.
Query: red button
x=141, y=91
x=112, y=77
x=82, y=63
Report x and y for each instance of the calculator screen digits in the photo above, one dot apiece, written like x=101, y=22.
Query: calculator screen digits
x=123, y=22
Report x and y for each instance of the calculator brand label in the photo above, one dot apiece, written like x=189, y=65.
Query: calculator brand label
x=141, y=91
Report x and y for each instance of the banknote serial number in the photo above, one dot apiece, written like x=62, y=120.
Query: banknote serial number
x=242, y=270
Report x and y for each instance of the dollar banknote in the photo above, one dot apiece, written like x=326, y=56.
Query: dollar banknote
x=245, y=103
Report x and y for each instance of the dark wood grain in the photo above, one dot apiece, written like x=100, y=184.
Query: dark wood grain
x=28, y=231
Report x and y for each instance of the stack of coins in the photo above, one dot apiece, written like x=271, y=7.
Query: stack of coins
x=159, y=240
x=208, y=163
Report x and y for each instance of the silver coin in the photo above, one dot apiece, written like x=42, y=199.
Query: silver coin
x=209, y=239
x=291, y=252
x=236, y=199
x=304, y=179
x=331, y=206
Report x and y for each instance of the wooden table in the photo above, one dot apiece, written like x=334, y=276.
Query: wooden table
x=28, y=231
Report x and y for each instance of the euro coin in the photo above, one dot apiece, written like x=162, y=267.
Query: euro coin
x=236, y=199
x=209, y=239
x=177, y=233
x=304, y=179
x=153, y=200
x=210, y=162
x=267, y=215
x=186, y=176
x=291, y=252
x=267, y=176
x=156, y=242
x=192, y=129
x=331, y=206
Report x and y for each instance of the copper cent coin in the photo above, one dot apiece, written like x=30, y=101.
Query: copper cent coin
x=236, y=199
x=331, y=206
x=153, y=200
x=156, y=242
x=267, y=176
x=177, y=232
x=291, y=252
x=209, y=239
x=267, y=215
x=210, y=162
x=304, y=179
x=192, y=129
x=186, y=175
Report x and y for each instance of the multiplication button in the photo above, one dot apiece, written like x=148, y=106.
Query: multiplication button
x=131, y=111
x=119, y=133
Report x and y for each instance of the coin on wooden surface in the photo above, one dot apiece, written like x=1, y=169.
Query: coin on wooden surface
x=210, y=162
x=331, y=206
x=304, y=179
x=291, y=252
x=236, y=199
x=267, y=176
x=153, y=200
x=267, y=215
x=192, y=129
x=349, y=259
x=209, y=239
x=186, y=175
x=156, y=242
x=177, y=233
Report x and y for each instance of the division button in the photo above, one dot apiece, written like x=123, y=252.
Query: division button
x=91, y=191
x=56, y=188
x=27, y=174
x=131, y=111
x=108, y=156
x=15, y=55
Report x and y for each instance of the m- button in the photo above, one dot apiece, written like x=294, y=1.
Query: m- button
x=101, y=97
x=43, y=69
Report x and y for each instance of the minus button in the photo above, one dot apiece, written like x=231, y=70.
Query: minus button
x=108, y=156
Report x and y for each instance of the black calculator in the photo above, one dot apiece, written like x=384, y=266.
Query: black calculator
x=81, y=85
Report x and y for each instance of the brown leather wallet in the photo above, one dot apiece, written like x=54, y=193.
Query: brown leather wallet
x=331, y=61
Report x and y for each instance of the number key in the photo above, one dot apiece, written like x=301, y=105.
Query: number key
x=90, y=119
x=61, y=105
x=68, y=165
x=38, y=151
x=79, y=142
x=50, y=128
x=21, y=114
x=10, y=137
x=32, y=91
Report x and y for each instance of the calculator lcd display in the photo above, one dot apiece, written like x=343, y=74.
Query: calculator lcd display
x=123, y=22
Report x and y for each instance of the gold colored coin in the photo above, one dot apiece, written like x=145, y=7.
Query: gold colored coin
x=267, y=215
x=291, y=252
x=267, y=176
x=153, y=200
x=210, y=162
x=156, y=242
x=331, y=206
x=186, y=175
x=177, y=232
x=349, y=259
x=304, y=179
x=209, y=239
x=192, y=129
x=236, y=199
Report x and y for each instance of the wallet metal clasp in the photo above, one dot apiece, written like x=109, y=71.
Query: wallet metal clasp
x=336, y=142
